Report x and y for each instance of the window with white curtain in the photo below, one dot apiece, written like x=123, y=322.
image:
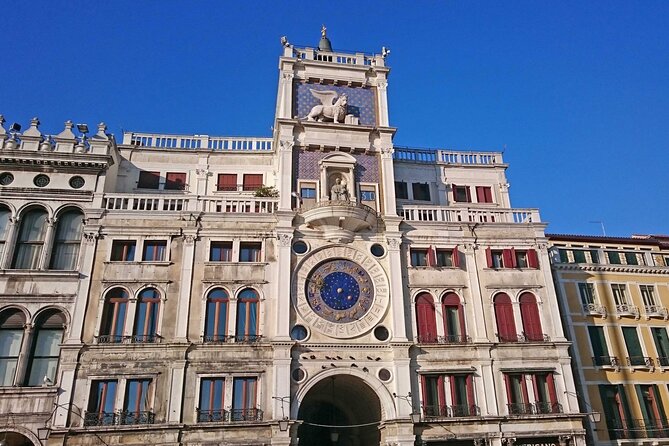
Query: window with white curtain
x=12, y=322
x=67, y=240
x=30, y=241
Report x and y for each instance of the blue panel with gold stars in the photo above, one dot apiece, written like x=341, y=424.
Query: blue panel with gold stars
x=340, y=291
x=360, y=101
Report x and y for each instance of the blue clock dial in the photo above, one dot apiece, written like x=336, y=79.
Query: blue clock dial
x=340, y=291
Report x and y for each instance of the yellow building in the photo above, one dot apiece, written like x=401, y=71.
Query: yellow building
x=614, y=297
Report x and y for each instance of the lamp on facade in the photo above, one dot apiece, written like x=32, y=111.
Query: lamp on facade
x=593, y=416
x=334, y=436
x=415, y=414
x=284, y=421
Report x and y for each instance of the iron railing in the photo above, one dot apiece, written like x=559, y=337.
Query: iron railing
x=454, y=411
x=523, y=337
x=132, y=339
x=637, y=428
x=640, y=361
x=246, y=415
x=546, y=407
x=606, y=361
x=448, y=339
x=118, y=418
x=520, y=408
x=212, y=415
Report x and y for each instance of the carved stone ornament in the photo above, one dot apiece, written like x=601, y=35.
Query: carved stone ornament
x=189, y=239
x=387, y=152
x=284, y=239
x=286, y=145
x=333, y=107
x=91, y=237
x=394, y=243
x=288, y=76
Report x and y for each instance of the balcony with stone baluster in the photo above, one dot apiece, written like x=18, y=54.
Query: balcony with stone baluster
x=338, y=219
x=448, y=214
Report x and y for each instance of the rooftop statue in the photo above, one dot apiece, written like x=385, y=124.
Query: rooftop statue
x=330, y=110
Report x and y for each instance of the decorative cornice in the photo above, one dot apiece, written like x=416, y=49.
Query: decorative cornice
x=612, y=268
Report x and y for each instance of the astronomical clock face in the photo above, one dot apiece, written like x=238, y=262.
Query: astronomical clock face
x=340, y=292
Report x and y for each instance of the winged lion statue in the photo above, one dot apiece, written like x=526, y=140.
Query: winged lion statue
x=332, y=108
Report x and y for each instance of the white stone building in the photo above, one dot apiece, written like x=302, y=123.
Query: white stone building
x=319, y=286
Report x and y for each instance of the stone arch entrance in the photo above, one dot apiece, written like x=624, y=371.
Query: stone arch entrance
x=12, y=438
x=340, y=400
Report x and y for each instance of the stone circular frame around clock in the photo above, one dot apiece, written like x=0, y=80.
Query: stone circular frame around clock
x=340, y=292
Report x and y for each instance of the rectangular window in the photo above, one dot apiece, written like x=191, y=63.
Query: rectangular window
x=619, y=293
x=594, y=256
x=250, y=252
x=444, y=257
x=516, y=393
x=220, y=252
x=421, y=191
x=497, y=257
x=600, y=349
x=544, y=393
x=148, y=180
x=616, y=411
x=211, y=405
x=461, y=194
x=154, y=251
x=462, y=395
x=227, y=182
x=136, y=404
x=634, y=352
x=123, y=251
x=252, y=181
x=631, y=258
x=579, y=256
x=244, y=393
x=521, y=259
x=648, y=295
x=401, y=191
x=308, y=192
x=101, y=404
x=434, y=396
x=483, y=194
x=419, y=257
x=587, y=293
x=654, y=418
x=613, y=257
x=175, y=181
x=661, y=344
x=564, y=255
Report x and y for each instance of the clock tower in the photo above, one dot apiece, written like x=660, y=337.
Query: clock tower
x=342, y=310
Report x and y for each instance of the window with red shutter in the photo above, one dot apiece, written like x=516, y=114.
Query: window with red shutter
x=483, y=194
x=506, y=325
x=175, y=181
x=252, y=181
x=456, y=257
x=529, y=312
x=488, y=257
x=148, y=180
x=426, y=319
x=532, y=259
x=508, y=258
x=227, y=182
x=453, y=318
x=461, y=194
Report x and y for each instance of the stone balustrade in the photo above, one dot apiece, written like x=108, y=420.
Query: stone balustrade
x=339, y=57
x=476, y=215
x=431, y=156
x=195, y=142
x=182, y=203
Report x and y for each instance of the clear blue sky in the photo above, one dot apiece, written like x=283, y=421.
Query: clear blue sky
x=578, y=92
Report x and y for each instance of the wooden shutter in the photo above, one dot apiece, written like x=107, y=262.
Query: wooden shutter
x=532, y=259
x=426, y=319
x=148, y=180
x=227, y=181
x=431, y=256
x=471, y=401
x=506, y=325
x=530, y=315
x=469, y=194
x=455, y=257
x=508, y=258
x=488, y=257
x=175, y=180
x=252, y=181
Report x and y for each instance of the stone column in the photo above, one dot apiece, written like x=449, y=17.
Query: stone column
x=388, y=177
x=86, y=258
x=174, y=405
x=10, y=243
x=185, y=285
x=48, y=244
x=551, y=310
x=22, y=363
x=285, y=176
x=282, y=285
x=477, y=330
x=486, y=394
x=396, y=288
x=382, y=102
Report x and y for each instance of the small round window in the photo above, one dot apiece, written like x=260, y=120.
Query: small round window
x=77, y=182
x=299, y=333
x=41, y=180
x=385, y=375
x=377, y=250
x=299, y=375
x=381, y=333
x=300, y=247
x=6, y=178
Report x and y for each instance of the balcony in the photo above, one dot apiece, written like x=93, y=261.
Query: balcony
x=185, y=203
x=195, y=142
x=547, y=407
x=627, y=310
x=212, y=416
x=538, y=408
x=448, y=339
x=446, y=214
x=595, y=310
x=606, y=361
x=432, y=156
x=118, y=418
x=656, y=311
x=637, y=428
x=520, y=408
x=455, y=411
x=133, y=339
x=339, y=219
x=642, y=362
x=523, y=337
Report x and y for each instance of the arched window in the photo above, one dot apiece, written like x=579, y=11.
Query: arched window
x=529, y=312
x=43, y=360
x=506, y=325
x=247, y=316
x=113, y=316
x=426, y=319
x=5, y=214
x=67, y=240
x=216, y=323
x=146, y=319
x=12, y=322
x=454, y=319
x=30, y=241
